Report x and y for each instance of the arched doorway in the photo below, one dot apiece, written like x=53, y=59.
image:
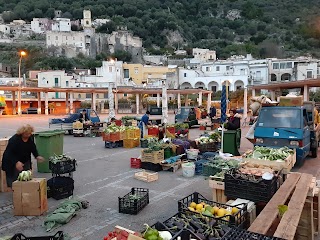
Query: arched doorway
x=213, y=86
x=286, y=77
x=239, y=84
x=200, y=85
x=185, y=85
x=273, y=77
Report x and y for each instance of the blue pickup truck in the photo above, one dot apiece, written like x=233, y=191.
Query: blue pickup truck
x=288, y=126
x=66, y=122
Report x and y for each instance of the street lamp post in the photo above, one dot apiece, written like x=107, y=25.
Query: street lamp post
x=22, y=54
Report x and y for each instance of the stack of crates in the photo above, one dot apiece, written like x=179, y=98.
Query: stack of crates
x=3, y=181
x=132, y=138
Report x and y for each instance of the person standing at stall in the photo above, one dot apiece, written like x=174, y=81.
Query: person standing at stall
x=17, y=156
x=83, y=116
x=143, y=124
x=213, y=113
x=233, y=122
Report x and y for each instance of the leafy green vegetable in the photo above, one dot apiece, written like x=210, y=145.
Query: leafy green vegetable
x=271, y=154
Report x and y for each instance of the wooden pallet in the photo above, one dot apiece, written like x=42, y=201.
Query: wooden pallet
x=146, y=176
x=171, y=167
x=301, y=220
x=217, y=190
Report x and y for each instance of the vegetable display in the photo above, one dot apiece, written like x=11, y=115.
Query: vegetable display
x=214, y=137
x=114, y=128
x=119, y=235
x=58, y=158
x=271, y=154
x=203, y=227
x=151, y=233
x=25, y=176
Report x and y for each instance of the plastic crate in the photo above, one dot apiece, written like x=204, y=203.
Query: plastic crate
x=261, y=191
x=63, y=167
x=156, y=167
x=143, y=143
x=57, y=236
x=199, y=166
x=60, y=187
x=153, y=131
x=130, y=143
x=237, y=219
x=207, y=147
x=134, y=206
x=235, y=234
x=177, y=230
x=135, y=163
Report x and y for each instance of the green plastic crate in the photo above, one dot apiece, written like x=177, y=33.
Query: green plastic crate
x=48, y=144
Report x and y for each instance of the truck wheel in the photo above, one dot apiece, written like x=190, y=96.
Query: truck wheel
x=314, y=152
x=299, y=163
x=70, y=132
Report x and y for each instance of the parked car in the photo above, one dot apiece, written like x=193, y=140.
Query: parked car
x=31, y=110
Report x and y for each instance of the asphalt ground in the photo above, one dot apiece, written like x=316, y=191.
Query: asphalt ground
x=101, y=177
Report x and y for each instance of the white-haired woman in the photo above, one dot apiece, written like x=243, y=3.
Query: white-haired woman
x=17, y=156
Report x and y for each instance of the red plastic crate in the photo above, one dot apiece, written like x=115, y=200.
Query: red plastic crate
x=153, y=131
x=171, y=130
x=135, y=163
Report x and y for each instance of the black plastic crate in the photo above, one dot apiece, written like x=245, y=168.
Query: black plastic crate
x=235, y=234
x=134, y=206
x=156, y=167
x=237, y=219
x=63, y=167
x=199, y=166
x=259, y=191
x=60, y=187
x=194, y=226
x=57, y=236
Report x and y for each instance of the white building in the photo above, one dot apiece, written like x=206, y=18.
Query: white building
x=236, y=73
x=41, y=25
x=293, y=69
x=86, y=22
x=56, y=79
x=61, y=25
x=5, y=29
x=204, y=55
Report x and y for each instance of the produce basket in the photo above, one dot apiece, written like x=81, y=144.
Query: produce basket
x=62, y=167
x=144, y=143
x=122, y=135
x=192, y=154
x=248, y=187
x=60, y=187
x=135, y=163
x=133, y=202
x=156, y=167
x=218, y=165
x=146, y=176
x=57, y=236
x=131, y=143
x=153, y=131
x=235, y=234
x=199, y=166
x=207, y=147
x=137, y=133
x=182, y=226
x=153, y=157
x=237, y=219
x=130, y=133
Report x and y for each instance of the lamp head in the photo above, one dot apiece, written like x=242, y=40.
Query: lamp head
x=23, y=53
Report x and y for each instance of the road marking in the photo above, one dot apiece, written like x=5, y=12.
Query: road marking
x=104, y=156
x=104, y=179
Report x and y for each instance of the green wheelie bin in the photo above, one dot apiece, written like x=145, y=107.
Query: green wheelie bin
x=48, y=144
x=231, y=141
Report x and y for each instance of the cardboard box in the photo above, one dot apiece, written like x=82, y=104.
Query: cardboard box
x=291, y=101
x=3, y=182
x=30, y=198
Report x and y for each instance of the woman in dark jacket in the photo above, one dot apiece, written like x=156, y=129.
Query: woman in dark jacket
x=17, y=156
x=233, y=122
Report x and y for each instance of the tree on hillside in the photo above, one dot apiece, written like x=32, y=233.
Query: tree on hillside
x=108, y=27
x=122, y=55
